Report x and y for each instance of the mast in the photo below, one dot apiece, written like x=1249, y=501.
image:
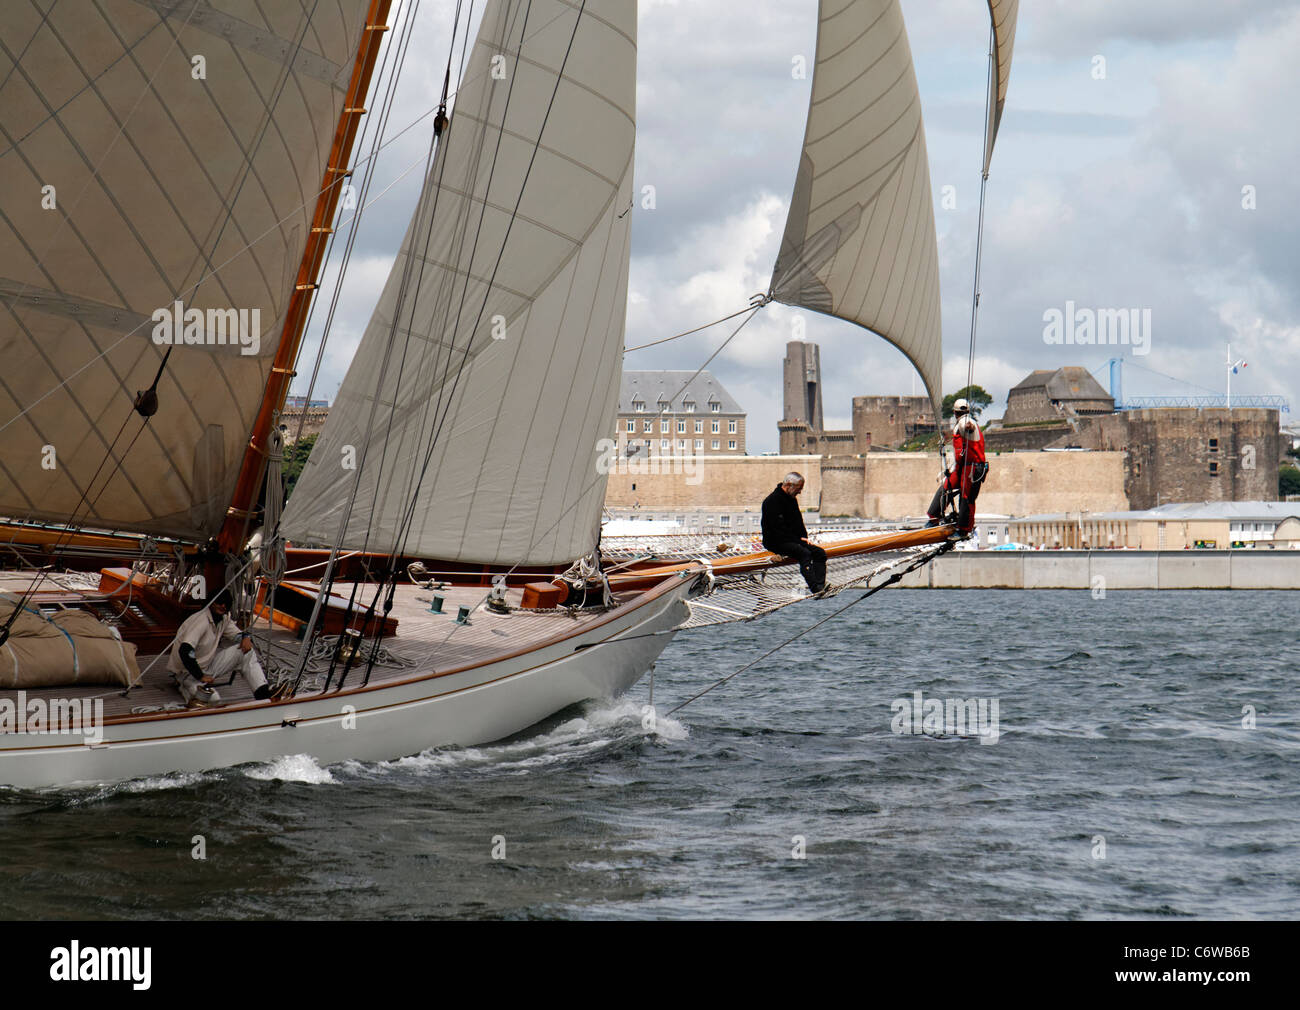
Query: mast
x=235, y=527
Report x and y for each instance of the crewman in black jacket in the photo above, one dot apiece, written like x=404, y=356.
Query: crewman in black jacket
x=784, y=532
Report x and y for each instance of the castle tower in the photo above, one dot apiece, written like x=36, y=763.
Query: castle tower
x=803, y=384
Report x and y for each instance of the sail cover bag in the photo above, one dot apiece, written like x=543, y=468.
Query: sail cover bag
x=70, y=649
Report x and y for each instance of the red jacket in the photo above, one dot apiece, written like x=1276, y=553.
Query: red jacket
x=967, y=441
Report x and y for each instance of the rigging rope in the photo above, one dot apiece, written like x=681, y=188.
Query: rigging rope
x=979, y=234
x=924, y=559
x=655, y=343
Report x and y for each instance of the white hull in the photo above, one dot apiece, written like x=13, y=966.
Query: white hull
x=377, y=723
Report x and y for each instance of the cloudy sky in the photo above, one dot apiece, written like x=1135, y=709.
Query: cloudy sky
x=1115, y=191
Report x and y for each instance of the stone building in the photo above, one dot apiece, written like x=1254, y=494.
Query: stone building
x=881, y=421
x=1046, y=407
x=660, y=413
x=1046, y=395
x=1181, y=454
x=890, y=420
x=299, y=411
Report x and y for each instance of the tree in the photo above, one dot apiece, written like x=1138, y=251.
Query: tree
x=1288, y=482
x=976, y=396
x=295, y=458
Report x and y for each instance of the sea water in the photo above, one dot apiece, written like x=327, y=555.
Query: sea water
x=1146, y=764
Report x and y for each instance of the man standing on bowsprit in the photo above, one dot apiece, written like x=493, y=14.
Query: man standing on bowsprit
x=785, y=534
x=967, y=474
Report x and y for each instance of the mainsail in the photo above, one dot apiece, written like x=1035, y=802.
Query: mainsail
x=1003, y=13
x=146, y=147
x=860, y=241
x=471, y=413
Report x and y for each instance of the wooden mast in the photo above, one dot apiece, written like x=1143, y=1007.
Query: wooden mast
x=235, y=527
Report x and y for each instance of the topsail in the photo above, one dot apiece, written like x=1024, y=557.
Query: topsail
x=860, y=241
x=473, y=409
x=1003, y=13
x=146, y=147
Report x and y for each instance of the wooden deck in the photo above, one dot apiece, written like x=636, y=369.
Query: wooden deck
x=425, y=643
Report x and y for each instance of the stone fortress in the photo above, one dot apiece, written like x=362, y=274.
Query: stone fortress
x=1059, y=448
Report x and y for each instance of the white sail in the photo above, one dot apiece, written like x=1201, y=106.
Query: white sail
x=490, y=366
x=1003, y=14
x=146, y=145
x=859, y=241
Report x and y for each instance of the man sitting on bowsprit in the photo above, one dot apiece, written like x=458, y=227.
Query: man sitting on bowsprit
x=968, y=473
x=785, y=534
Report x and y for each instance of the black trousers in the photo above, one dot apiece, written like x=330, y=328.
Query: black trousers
x=811, y=558
x=965, y=484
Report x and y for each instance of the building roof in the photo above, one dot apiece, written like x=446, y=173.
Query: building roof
x=1270, y=510
x=1072, y=382
x=1258, y=511
x=653, y=387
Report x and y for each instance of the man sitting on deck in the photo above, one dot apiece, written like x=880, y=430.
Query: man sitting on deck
x=785, y=534
x=198, y=650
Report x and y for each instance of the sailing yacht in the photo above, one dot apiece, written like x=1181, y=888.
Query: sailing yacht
x=435, y=578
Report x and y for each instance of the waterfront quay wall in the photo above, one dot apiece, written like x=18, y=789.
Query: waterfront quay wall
x=1092, y=570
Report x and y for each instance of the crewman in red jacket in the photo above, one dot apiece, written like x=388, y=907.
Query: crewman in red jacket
x=967, y=474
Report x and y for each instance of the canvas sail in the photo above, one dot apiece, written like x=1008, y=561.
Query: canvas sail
x=1003, y=13
x=145, y=144
x=487, y=375
x=859, y=241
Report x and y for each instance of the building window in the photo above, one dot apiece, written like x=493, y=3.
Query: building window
x=663, y=427
x=731, y=427
x=717, y=427
x=681, y=427
x=699, y=427
x=663, y=443
x=631, y=425
x=690, y=406
x=724, y=520
x=699, y=443
x=731, y=444
x=1214, y=445
x=663, y=405
x=717, y=444
x=647, y=426
x=1214, y=469
x=638, y=406
x=647, y=447
x=681, y=443
x=715, y=406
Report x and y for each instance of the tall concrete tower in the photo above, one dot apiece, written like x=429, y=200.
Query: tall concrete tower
x=803, y=384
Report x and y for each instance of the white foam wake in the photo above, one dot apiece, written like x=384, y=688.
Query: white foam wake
x=294, y=768
x=601, y=725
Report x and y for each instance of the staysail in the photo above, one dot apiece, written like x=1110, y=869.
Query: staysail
x=488, y=373
x=145, y=147
x=1003, y=13
x=859, y=241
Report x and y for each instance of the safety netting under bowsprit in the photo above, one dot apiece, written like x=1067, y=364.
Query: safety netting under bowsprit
x=754, y=594
x=688, y=546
